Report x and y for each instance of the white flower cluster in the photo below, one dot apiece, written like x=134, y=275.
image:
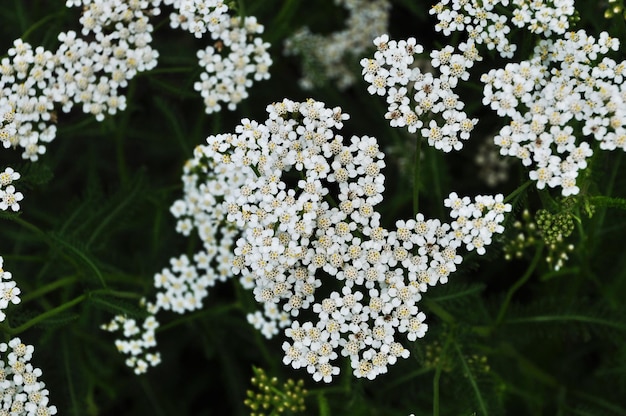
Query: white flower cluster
x=325, y=56
x=302, y=202
x=9, y=197
x=92, y=72
x=562, y=92
x=413, y=95
x=33, y=80
x=9, y=292
x=226, y=76
x=183, y=286
x=137, y=341
x=21, y=393
x=237, y=54
x=197, y=17
x=25, y=79
x=484, y=22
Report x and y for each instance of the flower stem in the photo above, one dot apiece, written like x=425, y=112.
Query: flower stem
x=518, y=284
x=519, y=190
x=437, y=376
x=45, y=315
x=34, y=294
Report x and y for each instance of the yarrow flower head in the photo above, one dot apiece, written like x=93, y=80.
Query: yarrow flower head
x=92, y=70
x=290, y=204
x=491, y=22
x=237, y=57
x=9, y=198
x=9, y=292
x=25, y=99
x=34, y=81
x=23, y=392
x=137, y=341
x=414, y=96
x=566, y=84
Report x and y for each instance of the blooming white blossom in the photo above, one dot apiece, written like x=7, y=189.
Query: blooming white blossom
x=414, y=96
x=34, y=82
x=23, y=392
x=92, y=68
x=138, y=342
x=9, y=292
x=290, y=204
x=491, y=22
x=237, y=57
x=565, y=91
x=9, y=197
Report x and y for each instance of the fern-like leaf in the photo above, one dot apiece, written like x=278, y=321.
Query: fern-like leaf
x=117, y=305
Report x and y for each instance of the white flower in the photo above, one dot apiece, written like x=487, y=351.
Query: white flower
x=10, y=198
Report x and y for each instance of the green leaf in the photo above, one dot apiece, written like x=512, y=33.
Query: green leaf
x=9, y=215
x=472, y=380
x=34, y=174
x=117, y=306
x=322, y=402
x=58, y=320
x=606, y=201
x=77, y=251
x=119, y=205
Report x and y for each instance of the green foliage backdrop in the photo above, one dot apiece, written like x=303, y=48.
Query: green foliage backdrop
x=513, y=337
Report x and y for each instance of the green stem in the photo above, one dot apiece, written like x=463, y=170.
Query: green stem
x=438, y=375
x=518, y=284
x=28, y=225
x=69, y=373
x=45, y=315
x=416, y=174
x=34, y=294
x=472, y=380
x=433, y=157
x=519, y=190
x=242, y=10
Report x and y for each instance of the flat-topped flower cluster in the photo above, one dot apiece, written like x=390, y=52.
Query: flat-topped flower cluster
x=9, y=197
x=21, y=391
x=415, y=97
x=116, y=44
x=289, y=206
x=9, y=292
x=567, y=90
x=490, y=22
x=90, y=73
x=237, y=55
